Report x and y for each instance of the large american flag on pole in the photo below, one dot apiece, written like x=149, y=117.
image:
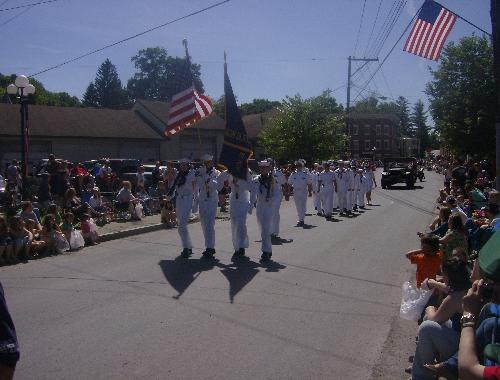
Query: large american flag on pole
x=429, y=33
x=186, y=108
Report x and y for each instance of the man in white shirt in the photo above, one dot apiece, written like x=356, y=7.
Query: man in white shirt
x=302, y=185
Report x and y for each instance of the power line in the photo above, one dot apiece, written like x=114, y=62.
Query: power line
x=27, y=5
x=392, y=49
x=373, y=28
x=359, y=29
x=16, y=16
x=131, y=37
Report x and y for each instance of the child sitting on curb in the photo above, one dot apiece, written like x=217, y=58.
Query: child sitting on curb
x=428, y=258
x=89, y=230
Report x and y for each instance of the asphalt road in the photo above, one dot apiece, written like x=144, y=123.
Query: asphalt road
x=327, y=308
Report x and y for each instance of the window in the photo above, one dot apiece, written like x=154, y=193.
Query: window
x=367, y=130
x=387, y=145
x=368, y=145
x=354, y=130
x=355, y=145
x=387, y=130
x=378, y=129
x=378, y=145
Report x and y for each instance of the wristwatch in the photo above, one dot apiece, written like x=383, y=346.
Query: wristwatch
x=468, y=320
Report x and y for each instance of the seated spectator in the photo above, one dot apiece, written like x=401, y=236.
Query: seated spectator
x=75, y=205
x=455, y=237
x=439, y=226
x=21, y=238
x=438, y=335
x=27, y=213
x=145, y=199
x=127, y=200
x=54, y=210
x=53, y=236
x=6, y=247
x=89, y=230
x=493, y=215
x=428, y=258
x=44, y=194
x=67, y=225
x=167, y=211
x=97, y=201
x=161, y=189
x=452, y=204
x=477, y=197
x=38, y=245
x=140, y=177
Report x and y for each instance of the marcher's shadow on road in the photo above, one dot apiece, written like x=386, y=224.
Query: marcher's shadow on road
x=181, y=272
x=308, y=226
x=239, y=274
x=277, y=241
x=404, y=187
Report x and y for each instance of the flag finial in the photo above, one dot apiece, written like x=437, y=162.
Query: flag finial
x=185, y=44
x=225, y=57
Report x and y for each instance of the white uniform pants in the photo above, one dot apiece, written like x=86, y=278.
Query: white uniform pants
x=208, y=210
x=327, y=200
x=183, y=206
x=335, y=199
x=238, y=213
x=275, y=222
x=360, y=198
x=350, y=200
x=342, y=197
x=264, y=218
x=300, y=198
x=317, y=201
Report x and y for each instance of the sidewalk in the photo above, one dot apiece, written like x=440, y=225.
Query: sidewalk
x=118, y=230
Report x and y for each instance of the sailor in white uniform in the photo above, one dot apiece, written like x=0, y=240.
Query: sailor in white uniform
x=360, y=186
x=239, y=204
x=341, y=177
x=280, y=180
x=301, y=182
x=370, y=178
x=265, y=191
x=327, y=183
x=208, y=181
x=318, y=168
x=350, y=187
x=185, y=202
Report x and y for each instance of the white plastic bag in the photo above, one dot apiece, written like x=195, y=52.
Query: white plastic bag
x=60, y=243
x=413, y=301
x=138, y=210
x=92, y=225
x=76, y=240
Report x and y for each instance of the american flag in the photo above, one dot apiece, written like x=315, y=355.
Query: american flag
x=186, y=108
x=429, y=33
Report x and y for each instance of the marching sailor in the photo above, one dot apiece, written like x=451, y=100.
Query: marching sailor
x=239, y=204
x=370, y=179
x=301, y=182
x=350, y=186
x=185, y=202
x=342, y=187
x=280, y=180
x=208, y=181
x=318, y=168
x=265, y=191
x=360, y=188
x=327, y=184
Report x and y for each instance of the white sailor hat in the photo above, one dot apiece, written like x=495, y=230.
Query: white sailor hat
x=184, y=161
x=299, y=162
x=264, y=163
x=207, y=157
x=327, y=163
x=360, y=170
x=302, y=160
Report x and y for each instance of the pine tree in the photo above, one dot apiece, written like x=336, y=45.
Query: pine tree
x=404, y=116
x=106, y=90
x=419, y=121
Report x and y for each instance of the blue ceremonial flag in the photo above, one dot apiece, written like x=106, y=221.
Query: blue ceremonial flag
x=236, y=149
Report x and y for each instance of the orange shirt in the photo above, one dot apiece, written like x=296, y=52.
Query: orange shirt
x=427, y=266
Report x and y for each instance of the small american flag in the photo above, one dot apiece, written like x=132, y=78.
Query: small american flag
x=429, y=33
x=186, y=108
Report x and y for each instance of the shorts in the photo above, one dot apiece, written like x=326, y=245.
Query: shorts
x=9, y=360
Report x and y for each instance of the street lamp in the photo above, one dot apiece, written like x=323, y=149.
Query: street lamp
x=22, y=88
x=374, y=151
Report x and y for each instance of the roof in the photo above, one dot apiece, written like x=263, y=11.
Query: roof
x=160, y=111
x=255, y=123
x=375, y=116
x=77, y=122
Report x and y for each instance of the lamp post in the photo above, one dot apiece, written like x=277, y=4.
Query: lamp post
x=374, y=152
x=22, y=88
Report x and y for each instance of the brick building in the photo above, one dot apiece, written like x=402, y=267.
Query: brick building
x=369, y=131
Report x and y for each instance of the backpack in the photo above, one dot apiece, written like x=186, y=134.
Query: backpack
x=491, y=352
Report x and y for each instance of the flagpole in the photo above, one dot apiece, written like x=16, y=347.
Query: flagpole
x=188, y=62
x=464, y=19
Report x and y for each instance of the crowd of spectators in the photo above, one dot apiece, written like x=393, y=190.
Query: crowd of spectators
x=459, y=261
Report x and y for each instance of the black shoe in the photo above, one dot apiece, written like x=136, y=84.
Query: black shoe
x=266, y=256
x=241, y=252
x=186, y=252
x=362, y=207
x=300, y=223
x=209, y=252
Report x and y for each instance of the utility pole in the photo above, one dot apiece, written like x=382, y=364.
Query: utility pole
x=348, y=105
x=495, y=31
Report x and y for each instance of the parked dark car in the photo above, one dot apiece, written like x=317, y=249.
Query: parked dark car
x=399, y=170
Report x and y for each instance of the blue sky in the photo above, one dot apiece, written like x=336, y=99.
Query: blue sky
x=275, y=47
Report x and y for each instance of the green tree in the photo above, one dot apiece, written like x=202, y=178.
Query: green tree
x=308, y=128
x=419, y=121
x=159, y=76
x=372, y=104
x=106, y=90
x=403, y=112
x=462, y=97
x=41, y=96
x=258, y=106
